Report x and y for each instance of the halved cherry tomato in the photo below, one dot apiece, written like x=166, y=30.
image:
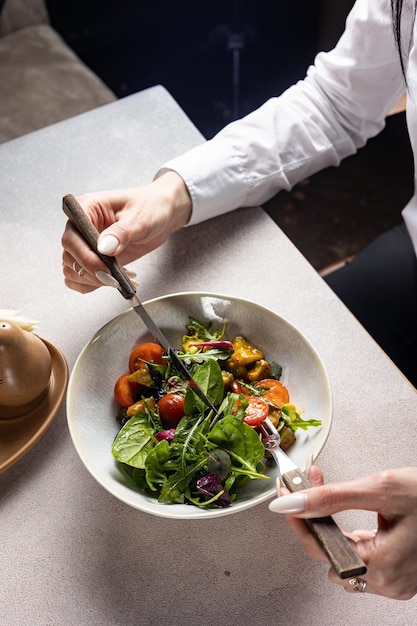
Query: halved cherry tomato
x=256, y=411
x=149, y=352
x=125, y=391
x=171, y=409
x=277, y=394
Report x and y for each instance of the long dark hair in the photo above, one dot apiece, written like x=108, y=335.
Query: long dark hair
x=396, y=10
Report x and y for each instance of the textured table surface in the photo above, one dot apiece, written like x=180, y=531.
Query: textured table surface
x=73, y=554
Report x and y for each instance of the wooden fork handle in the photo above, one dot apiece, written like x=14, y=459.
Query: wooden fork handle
x=342, y=556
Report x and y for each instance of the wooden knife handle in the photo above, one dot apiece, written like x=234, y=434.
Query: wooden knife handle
x=344, y=559
x=79, y=219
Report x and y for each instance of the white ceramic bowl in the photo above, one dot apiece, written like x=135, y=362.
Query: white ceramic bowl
x=91, y=408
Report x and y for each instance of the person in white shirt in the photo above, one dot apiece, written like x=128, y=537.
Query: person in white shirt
x=342, y=102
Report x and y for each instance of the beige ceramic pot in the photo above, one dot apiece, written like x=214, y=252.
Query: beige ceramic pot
x=25, y=369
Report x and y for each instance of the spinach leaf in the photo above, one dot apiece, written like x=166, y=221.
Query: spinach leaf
x=134, y=441
x=241, y=442
x=276, y=370
x=155, y=464
x=219, y=463
x=209, y=378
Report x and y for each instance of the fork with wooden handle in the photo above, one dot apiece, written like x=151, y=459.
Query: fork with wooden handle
x=342, y=556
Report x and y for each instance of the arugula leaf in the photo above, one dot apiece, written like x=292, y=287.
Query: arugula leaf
x=198, y=357
x=202, y=332
x=176, y=487
x=293, y=420
x=192, y=440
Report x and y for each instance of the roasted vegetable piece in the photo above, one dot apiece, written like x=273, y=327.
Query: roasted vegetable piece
x=259, y=370
x=141, y=376
x=186, y=345
x=228, y=379
x=274, y=416
x=238, y=371
x=139, y=407
x=287, y=437
x=245, y=352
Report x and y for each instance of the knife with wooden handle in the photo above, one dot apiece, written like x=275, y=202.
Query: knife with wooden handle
x=80, y=220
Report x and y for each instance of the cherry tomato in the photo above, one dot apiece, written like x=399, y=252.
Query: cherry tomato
x=256, y=411
x=125, y=391
x=277, y=394
x=149, y=352
x=171, y=409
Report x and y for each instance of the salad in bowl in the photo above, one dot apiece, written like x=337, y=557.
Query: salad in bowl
x=175, y=446
x=148, y=438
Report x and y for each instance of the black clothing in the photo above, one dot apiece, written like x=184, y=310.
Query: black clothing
x=379, y=286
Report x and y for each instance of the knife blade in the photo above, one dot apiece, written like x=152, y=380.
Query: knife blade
x=82, y=223
x=343, y=558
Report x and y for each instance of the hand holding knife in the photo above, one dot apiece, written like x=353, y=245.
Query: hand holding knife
x=79, y=219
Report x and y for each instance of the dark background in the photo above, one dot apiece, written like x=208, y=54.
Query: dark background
x=187, y=46
x=190, y=47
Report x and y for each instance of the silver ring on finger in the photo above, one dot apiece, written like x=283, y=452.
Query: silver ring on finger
x=358, y=585
x=78, y=269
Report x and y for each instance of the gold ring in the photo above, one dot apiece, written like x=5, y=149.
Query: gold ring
x=78, y=269
x=358, y=584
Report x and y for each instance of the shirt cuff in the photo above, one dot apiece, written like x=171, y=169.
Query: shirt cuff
x=214, y=177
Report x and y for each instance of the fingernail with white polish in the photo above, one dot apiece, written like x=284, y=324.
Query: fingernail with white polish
x=293, y=503
x=107, y=244
x=107, y=279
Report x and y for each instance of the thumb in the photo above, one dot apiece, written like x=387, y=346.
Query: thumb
x=116, y=237
x=108, y=242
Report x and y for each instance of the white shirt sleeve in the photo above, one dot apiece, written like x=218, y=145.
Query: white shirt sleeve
x=342, y=102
